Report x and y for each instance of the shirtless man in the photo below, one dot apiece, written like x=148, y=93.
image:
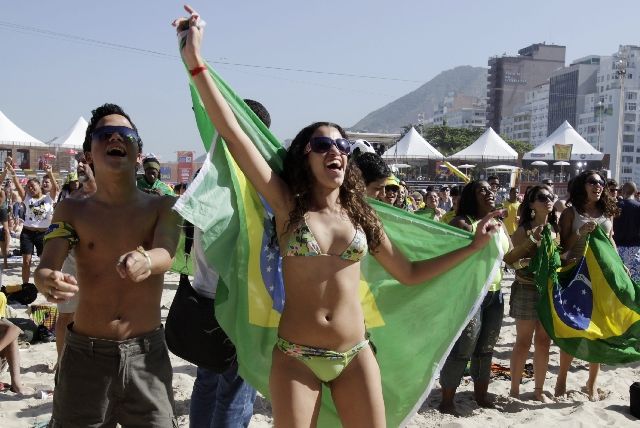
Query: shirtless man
x=115, y=365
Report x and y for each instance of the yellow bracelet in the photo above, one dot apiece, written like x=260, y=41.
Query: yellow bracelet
x=142, y=251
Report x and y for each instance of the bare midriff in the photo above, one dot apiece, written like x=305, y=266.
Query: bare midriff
x=322, y=307
x=118, y=309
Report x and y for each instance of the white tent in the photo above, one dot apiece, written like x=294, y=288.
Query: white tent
x=488, y=146
x=565, y=134
x=11, y=134
x=74, y=137
x=412, y=145
x=503, y=168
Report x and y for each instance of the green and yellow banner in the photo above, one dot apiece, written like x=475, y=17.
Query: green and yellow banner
x=413, y=328
x=591, y=308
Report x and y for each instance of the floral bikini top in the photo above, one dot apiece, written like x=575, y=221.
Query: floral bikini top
x=302, y=242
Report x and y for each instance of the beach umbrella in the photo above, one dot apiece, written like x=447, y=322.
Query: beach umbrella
x=539, y=163
x=465, y=166
x=562, y=164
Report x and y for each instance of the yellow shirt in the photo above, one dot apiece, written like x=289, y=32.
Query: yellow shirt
x=511, y=221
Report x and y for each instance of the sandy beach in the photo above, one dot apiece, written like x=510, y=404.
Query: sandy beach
x=574, y=410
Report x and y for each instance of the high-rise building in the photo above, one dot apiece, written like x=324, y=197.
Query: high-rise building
x=602, y=121
x=568, y=88
x=529, y=122
x=510, y=77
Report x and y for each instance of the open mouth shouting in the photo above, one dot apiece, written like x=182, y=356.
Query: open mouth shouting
x=334, y=165
x=116, y=149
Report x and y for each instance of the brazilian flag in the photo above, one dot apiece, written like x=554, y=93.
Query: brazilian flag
x=413, y=328
x=591, y=308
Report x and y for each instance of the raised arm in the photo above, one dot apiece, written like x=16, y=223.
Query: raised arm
x=257, y=170
x=8, y=166
x=417, y=272
x=55, y=188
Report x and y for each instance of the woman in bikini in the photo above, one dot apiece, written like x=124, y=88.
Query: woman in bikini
x=324, y=227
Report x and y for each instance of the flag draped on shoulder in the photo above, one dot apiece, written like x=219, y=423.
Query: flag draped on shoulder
x=591, y=308
x=412, y=328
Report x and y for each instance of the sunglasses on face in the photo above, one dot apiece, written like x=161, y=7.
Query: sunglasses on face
x=595, y=182
x=323, y=145
x=391, y=189
x=106, y=132
x=544, y=197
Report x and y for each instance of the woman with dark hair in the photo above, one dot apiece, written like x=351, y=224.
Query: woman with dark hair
x=537, y=213
x=324, y=227
x=590, y=207
x=38, y=213
x=479, y=337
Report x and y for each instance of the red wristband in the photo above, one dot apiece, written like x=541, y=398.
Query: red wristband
x=197, y=70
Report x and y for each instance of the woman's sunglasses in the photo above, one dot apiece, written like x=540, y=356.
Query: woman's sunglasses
x=104, y=133
x=323, y=145
x=595, y=182
x=391, y=189
x=544, y=197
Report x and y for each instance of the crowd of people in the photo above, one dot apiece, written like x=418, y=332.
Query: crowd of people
x=106, y=238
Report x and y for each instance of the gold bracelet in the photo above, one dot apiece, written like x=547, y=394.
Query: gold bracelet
x=142, y=251
x=517, y=264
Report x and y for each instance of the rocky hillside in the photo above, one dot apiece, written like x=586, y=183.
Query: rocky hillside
x=465, y=80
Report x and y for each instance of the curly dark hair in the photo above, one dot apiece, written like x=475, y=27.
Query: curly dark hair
x=529, y=198
x=100, y=112
x=297, y=174
x=372, y=167
x=578, y=196
x=467, y=205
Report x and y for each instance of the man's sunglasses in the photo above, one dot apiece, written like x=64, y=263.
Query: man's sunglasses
x=595, y=182
x=323, y=145
x=104, y=133
x=391, y=189
x=544, y=197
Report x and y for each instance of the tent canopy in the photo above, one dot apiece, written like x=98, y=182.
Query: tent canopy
x=565, y=134
x=503, y=168
x=74, y=137
x=488, y=146
x=11, y=134
x=412, y=145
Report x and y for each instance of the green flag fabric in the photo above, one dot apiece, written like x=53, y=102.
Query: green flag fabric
x=591, y=308
x=412, y=328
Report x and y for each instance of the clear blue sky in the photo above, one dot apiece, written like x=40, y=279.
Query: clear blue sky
x=47, y=81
